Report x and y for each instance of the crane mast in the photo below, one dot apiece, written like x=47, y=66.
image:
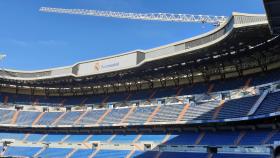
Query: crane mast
x=167, y=17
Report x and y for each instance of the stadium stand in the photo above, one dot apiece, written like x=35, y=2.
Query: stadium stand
x=207, y=105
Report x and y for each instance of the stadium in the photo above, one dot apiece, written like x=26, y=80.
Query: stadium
x=216, y=95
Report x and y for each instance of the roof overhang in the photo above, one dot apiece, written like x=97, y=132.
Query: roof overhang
x=272, y=8
x=194, y=47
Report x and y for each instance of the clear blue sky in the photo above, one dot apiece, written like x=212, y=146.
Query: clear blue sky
x=34, y=40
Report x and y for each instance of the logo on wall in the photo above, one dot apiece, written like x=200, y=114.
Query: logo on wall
x=97, y=66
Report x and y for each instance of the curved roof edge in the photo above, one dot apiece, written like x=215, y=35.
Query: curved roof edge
x=136, y=58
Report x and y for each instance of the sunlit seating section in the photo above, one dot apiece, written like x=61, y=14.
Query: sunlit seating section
x=201, y=111
x=6, y=116
x=34, y=137
x=54, y=138
x=15, y=136
x=140, y=115
x=168, y=113
x=21, y=151
x=82, y=153
x=69, y=118
x=91, y=117
x=48, y=118
x=124, y=138
x=112, y=153
x=77, y=138
x=115, y=116
x=152, y=138
x=55, y=152
x=26, y=117
x=100, y=137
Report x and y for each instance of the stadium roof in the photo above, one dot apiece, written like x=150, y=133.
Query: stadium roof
x=233, y=47
x=193, y=49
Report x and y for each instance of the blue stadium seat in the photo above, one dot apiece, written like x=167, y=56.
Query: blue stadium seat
x=34, y=137
x=112, y=153
x=188, y=138
x=55, y=152
x=77, y=138
x=254, y=138
x=270, y=104
x=21, y=151
x=219, y=138
x=168, y=113
x=91, y=117
x=82, y=153
x=48, y=118
x=152, y=137
x=140, y=115
x=69, y=118
x=240, y=156
x=115, y=116
x=6, y=116
x=237, y=107
x=26, y=117
x=103, y=138
x=54, y=138
x=124, y=138
x=16, y=136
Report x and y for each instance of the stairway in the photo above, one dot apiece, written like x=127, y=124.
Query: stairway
x=258, y=103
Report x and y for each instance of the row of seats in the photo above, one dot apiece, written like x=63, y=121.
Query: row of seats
x=64, y=152
x=197, y=155
x=211, y=110
x=199, y=88
x=257, y=137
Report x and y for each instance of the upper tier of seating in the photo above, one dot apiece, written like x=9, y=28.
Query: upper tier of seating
x=198, y=88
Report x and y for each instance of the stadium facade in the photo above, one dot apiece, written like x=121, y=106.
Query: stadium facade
x=216, y=95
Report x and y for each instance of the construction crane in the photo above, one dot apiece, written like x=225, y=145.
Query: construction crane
x=168, y=17
x=2, y=56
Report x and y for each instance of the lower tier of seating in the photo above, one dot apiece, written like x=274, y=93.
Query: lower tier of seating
x=16, y=151
x=224, y=137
